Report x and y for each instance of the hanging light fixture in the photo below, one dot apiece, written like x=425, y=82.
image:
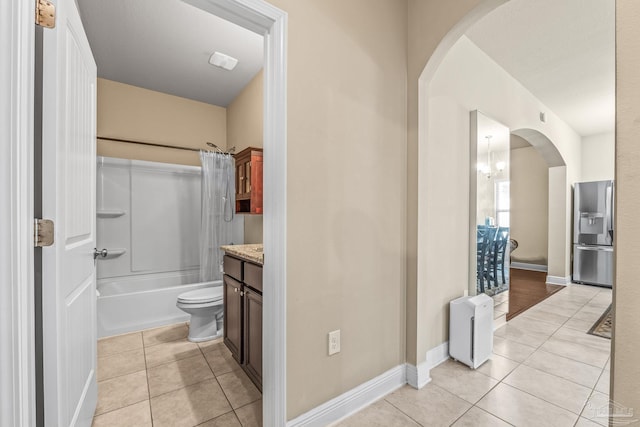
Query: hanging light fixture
x=485, y=168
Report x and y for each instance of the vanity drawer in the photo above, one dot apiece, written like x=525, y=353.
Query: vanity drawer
x=233, y=267
x=253, y=276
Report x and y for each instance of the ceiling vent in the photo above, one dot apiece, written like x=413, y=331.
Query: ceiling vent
x=223, y=61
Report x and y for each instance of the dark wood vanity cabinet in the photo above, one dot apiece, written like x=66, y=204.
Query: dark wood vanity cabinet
x=249, y=181
x=243, y=315
x=233, y=302
x=253, y=336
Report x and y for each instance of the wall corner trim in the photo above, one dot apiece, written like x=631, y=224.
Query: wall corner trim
x=353, y=400
x=418, y=376
x=558, y=280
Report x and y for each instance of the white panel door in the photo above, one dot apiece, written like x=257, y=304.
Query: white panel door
x=69, y=278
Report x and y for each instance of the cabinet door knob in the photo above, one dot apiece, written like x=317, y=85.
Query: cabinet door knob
x=241, y=293
x=235, y=290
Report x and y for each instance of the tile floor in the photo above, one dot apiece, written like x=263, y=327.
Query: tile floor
x=501, y=304
x=545, y=371
x=158, y=378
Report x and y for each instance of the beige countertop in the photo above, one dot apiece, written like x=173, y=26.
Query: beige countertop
x=251, y=253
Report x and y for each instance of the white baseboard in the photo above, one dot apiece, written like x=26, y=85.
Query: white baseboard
x=353, y=400
x=418, y=376
x=365, y=394
x=558, y=280
x=527, y=266
x=438, y=355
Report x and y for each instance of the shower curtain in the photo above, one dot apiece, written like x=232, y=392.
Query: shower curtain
x=218, y=206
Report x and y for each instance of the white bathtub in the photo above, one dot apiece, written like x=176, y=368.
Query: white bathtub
x=135, y=303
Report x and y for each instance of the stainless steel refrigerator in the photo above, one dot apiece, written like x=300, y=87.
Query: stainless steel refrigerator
x=593, y=233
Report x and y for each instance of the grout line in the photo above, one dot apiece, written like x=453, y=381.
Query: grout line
x=122, y=407
x=146, y=368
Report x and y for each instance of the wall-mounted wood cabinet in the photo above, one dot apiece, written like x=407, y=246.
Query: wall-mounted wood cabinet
x=243, y=315
x=249, y=181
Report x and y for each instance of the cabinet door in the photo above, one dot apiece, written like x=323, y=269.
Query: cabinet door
x=253, y=336
x=233, y=317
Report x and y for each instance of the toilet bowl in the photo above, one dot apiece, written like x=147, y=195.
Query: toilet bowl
x=205, y=306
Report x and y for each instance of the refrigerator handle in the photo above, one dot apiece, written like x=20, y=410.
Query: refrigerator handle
x=609, y=211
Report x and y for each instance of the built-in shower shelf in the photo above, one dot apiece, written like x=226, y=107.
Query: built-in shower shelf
x=110, y=213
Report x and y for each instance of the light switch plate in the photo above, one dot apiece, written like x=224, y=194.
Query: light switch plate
x=334, y=342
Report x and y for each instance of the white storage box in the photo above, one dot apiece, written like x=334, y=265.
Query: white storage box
x=471, y=329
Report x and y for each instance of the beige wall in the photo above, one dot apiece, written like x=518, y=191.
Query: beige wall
x=598, y=157
x=245, y=129
x=134, y=113
x=245, y=116
x=346, y=165
x=626, y=292
x=428, y=22
x=529, y=205
x=468, y=79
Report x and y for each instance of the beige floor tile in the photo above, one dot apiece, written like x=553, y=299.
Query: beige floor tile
x=121, y=391
x=581, y=353
x=578, y=324
x=165, y=334
x=569, y=334
x=527, y=325
x=220, y=359
x=572, y=370
x=597, y=408
x=511, y=349
x=119, y=344
x=227, y=420
x=563, y=303
x=521, y=335
x=250, y=415
x=582, y=290
x=189, y=406
x=462, y=381
x=545, y=316
x=175, y=375
x=120, y=364
x=138, y=415
x=597, y=310
x=583, y=422
x=522, y=409
x=476, y=417
x=497, y=367
x=587, y=316
x=556, y=390
x=603, y=383
x=206, y=344
x=602, y=299
x=379, y=414
x=555, y=307
x=429, y=406
x=578, y=299
x=170, y=352
x=238, y=388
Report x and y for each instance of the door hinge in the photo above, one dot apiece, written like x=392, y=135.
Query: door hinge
x=43, y=232
x=45, y=14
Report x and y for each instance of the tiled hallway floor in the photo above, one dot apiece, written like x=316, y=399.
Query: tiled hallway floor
x=158, y=378
x=545, y=371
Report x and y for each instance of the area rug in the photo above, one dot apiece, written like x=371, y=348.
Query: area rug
x=602, y=327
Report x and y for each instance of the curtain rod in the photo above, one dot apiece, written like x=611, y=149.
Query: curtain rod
x=151, y=144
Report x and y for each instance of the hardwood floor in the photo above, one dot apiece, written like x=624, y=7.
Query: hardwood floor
x=526, y=289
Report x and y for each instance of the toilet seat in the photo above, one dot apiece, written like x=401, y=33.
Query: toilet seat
x=201, y=296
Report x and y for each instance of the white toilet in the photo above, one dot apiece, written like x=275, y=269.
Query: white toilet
x=205, y=306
